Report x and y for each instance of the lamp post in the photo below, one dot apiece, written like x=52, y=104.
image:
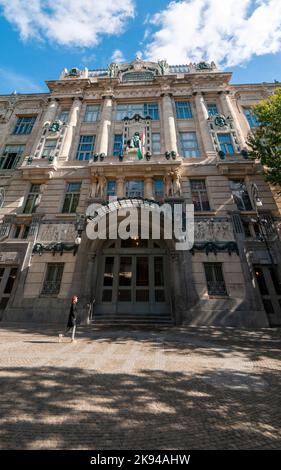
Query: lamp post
x=79, y=226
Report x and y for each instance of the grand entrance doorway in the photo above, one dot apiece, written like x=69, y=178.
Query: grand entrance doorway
x=133, y=278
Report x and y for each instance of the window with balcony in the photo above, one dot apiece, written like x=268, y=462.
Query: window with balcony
x=32, y=200
x=251, y=118
x=240, y=195
x=212, y=109
x=49, y=148
x=134, y=188
x=91, y=113
x=215, y=279
x=118, y=145
x=71, y=199
x=199, y=195
x=11, y=156
x=226, y=143
x=189, y=144
x=24, y=125
x=85, y=147
x=21, y=231
x=155, y=143
x=183, y=110
x=143, y=109
x=53, y=277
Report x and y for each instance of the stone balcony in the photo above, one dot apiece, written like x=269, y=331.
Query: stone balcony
x=229, y=164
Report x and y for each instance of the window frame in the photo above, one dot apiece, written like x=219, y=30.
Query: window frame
x=94, y=113
x=194, y=149
x=58, y=275
x=4, y=158
x=32, y=196
x=216, y=270
x=199, y=192
x=86, y=153
x=73, y=195
x=183, y=109
x=22, y=127
x=224, y=146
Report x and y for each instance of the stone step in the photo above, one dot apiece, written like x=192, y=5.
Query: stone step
x=129, y=319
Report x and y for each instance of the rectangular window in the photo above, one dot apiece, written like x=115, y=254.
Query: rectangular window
x=91, y=113
x=158, y=188
x=214, y=279
x=118, y=145
x=199, y=195
x=156, y=143
x=130, y=109
x=111, y=188
x=212, y=109
x=52, y=282
x=189, y=144
x=183, y=110
x=226, y=143
x=85, y=147
x=251, y=118
x=151, y=110
x=21, y=231
x=24, y=125
x=240, y=195
x=32, y=199
x=71, y=199
x=134, y=188
x=63, y=116
x=49, y=148
x=11, y=156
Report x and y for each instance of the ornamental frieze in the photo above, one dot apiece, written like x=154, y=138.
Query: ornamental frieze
x=56, y=233
x=213, y=230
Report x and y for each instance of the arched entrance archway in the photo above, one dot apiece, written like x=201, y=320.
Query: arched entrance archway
x=133, y=278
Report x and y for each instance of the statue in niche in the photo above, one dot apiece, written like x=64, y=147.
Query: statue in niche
x=168, y=182
x=101, y=186
x=93, y=189
x=177, y=191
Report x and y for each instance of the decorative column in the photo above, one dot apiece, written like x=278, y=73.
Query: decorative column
x=120, y=187
x=170, y=133
x=51, y=112
x=105, y=125
x=148, y=188
x=228, y=110
x=202, y=115
x=70, y=131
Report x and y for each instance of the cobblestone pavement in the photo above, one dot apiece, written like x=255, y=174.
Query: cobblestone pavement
x=179, y=388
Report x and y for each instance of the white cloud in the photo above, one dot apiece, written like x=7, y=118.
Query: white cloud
x=229, y=32
x=68, y=22
x=118, y=56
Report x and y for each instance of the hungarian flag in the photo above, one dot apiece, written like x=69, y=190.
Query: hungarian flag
x=141, y=146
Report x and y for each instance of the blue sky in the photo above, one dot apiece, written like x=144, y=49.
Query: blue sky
x=41, y=37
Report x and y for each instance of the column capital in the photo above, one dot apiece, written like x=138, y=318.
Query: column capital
x=166, y=93
x=107, y=97
x=77, y=98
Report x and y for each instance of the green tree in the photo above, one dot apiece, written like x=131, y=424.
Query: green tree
x=265, y=140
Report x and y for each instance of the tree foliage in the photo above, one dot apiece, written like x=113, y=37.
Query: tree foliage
x=265, y=140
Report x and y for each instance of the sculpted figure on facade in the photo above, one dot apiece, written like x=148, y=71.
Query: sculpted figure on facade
x=113, y=69
x=2, y=197
x=177, y=191
x=168, y=182
x=101, y=185
x=93, y=188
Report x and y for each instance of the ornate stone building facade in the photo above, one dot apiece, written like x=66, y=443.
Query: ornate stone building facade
x=140, y=132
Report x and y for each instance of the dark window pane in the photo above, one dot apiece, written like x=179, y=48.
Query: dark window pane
x=3, y=303
x=53, y=278
x=10, y=281
x=268, y=306
x=124, y=295
x=125, y=272
x=275, y=280
x=107, y=295
x=108, y=271
x=158, y=271
x=261, y=281
x=142, y=295
x=142, y=271
x=159, y=295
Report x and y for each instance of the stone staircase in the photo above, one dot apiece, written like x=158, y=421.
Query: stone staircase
x=133, y=319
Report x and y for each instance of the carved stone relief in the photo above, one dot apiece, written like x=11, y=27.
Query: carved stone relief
x=56, y=233
x=212, y=230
